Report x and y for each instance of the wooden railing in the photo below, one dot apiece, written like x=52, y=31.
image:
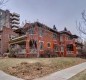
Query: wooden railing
x=70, y=52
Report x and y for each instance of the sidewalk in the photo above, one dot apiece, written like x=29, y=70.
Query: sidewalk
x=4, y=76
x=66, y=73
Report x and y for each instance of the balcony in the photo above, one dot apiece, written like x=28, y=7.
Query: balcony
x=33, y=51
x=15, y=17
x=15, y=14
x=17, y=39
x=70, y=52
x=78, y=41
x=15, y=21
x=17, y=25
x=78, y=47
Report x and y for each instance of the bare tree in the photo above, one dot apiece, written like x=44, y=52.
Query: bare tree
x=3, y=2
x=81, y=25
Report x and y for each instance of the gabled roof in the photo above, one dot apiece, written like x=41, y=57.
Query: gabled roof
x=45, y=26
x=65, y=31
x=27, y=25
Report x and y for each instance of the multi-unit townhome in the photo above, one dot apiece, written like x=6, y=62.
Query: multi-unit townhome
x=36, y=39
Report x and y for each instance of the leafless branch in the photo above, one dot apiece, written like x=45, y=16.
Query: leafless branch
x=81, y=26
x=3, y=2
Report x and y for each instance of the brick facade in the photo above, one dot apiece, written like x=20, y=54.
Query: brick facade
x=5, y=38
x=36, y=39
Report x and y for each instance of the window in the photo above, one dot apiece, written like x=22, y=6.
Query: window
x=69, y=47
x=55, y=48
x=31, y=30
x=54, y=35
x=61, y=38
x=33, y=44
x=40, y=31
x=48, y=45
x=41, y=45
x=62, y=49
x=69, y=37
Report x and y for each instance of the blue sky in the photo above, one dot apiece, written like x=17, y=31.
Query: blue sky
x=62, y=13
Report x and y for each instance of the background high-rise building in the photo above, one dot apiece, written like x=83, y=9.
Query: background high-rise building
x=8, y=19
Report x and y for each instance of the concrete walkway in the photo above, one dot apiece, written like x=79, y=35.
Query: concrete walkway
x=66, y=73
x=4, y=76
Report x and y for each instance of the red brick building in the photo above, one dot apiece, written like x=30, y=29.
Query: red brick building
x=36, y=39
x=4, y=39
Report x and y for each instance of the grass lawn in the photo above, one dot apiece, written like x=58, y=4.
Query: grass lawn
x=80, y=76
x=36, y=67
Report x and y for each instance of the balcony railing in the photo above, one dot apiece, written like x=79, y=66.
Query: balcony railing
x=15, y=25
x=78, y=48
x=70, y=52
x=15, y=14
x=22, y=51
x=14, y=17
x=18, y=37
x=33, y=51
x=78, y=40
x=15, y=21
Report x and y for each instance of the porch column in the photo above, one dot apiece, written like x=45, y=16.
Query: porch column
x=65, y=51
x=74, y=49
x=27, y=46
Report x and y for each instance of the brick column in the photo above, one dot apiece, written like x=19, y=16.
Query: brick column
x=65, y=51
x=74, y=49
x=27, y=46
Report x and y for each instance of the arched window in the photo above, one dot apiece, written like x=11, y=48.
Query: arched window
x=41, y=46
x=33, y=44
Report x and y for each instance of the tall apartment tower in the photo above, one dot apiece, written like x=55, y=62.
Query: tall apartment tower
x=8, y=19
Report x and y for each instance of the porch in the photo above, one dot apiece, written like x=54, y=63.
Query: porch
x=23, y=47
x=71, y=50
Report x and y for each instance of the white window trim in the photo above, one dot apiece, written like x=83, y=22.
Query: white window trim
x=58, y=49
x=63, y=49
x=39, y=47
x=61, y=38
x=41, y=41
x=40, y=34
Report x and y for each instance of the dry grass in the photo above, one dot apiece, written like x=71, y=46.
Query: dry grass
x=8, y=62
x=49, y=65
x=80, y=76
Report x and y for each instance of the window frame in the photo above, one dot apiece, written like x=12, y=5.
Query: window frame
x=49, y=46
x=40, y=31
x=42, y=45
